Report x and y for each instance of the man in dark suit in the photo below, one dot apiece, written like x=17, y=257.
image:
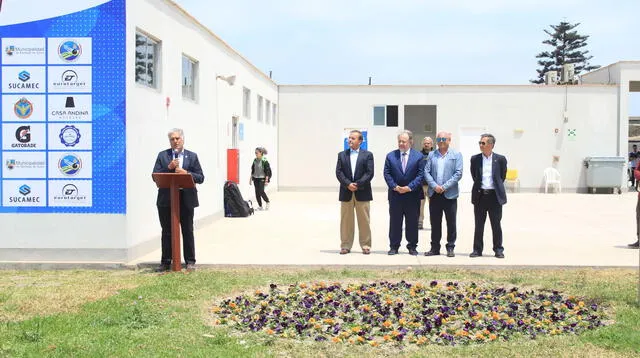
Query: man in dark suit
x=178, y=160
x=404, y=180
x=354, y=172
x=489, y=171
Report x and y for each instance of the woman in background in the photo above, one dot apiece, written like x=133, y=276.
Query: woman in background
x=260, y=176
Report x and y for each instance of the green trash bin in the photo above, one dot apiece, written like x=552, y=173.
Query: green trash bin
x=605, y=172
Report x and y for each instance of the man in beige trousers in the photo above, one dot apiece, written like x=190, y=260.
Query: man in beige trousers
x=354, y=172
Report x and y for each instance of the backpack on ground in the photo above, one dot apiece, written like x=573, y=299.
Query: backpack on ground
x=234, y=205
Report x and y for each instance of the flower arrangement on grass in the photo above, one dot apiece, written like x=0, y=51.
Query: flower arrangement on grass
x=400, y=312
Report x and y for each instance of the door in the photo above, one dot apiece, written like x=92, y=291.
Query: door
x=468, y=146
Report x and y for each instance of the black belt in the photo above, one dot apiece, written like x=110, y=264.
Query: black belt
x=487, y=191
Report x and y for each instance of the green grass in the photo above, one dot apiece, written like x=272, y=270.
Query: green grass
x=142, y=314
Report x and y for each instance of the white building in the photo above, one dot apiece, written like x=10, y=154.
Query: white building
x=167, y=70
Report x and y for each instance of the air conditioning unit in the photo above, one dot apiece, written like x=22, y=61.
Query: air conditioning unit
x=568, y=73
x=551, y=78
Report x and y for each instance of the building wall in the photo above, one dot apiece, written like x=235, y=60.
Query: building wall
x=207, y=122
x=524, y=120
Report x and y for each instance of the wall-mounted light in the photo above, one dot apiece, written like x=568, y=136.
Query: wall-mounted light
x=229, y=79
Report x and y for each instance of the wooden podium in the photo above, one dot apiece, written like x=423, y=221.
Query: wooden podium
x=174, y=182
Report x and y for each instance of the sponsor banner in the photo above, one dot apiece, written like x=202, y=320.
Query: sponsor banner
x=70, y=165
x=23, y=136
x=70, y=193
x=23, y=51
x=69, y=51
x=24, y=165
x=17, y=12
x=23, y=79
x=69, y=79
x=24, y=193
x=70, y=136
x=24, y=107
x=70, y=108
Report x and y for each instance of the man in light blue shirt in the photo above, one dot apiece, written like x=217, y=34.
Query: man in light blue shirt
x=442, y=172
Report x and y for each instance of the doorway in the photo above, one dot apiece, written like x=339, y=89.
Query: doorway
x=422, y=121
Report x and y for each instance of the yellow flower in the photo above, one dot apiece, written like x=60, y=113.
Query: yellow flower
x=336, y=340
x=360, y=339
x=386, y=337
x=216, y=309
x=493, y=337
x=387, y=324
x=270, y=331
x=373, y=343
x=355, y=329
x=312, y=320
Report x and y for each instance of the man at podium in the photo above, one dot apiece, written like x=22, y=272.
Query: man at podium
x=178, y=160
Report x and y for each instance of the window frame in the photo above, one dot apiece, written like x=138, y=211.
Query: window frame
x=156, y=44
x=194, y=78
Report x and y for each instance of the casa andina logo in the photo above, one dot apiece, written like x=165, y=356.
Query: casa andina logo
x=70, y=164
x=70, y=112
x=24, y=82
x=23, y=136
x=23, y=109
x=24, y=197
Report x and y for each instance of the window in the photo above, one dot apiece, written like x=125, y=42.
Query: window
x=267, y=109
x=189, y=77
x=147, y=51
x=260, y=109
x=246, y=102
x=273, y=107
x=385, y=115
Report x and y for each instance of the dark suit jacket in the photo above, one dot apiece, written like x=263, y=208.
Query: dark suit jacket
x=362, y=176
x=191, y=164
x=412, y=177
x=499, y=173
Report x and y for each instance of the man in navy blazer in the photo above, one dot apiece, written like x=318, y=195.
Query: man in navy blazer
x=489, y=171
x=354, y=171
x=442, y=172
x=404, y=180
x=178, y=160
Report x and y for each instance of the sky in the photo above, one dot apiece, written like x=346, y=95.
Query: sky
x=414, y=41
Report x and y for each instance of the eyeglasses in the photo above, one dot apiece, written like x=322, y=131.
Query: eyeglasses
x=441, y=139
x=482, y=143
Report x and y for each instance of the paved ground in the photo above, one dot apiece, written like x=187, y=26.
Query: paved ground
x=302, y=228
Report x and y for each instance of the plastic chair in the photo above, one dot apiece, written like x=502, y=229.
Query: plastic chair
x=552, y=177
x=512, y=179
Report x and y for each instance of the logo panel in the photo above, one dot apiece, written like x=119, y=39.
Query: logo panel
x=23, y=79
x=17, y=51
x=65, y=51
x=24, y=164
x=70, y=193
x=67, y=136
x=67, y=79
x=76, y=108
x=70, y=165
x=23, y=136
x=18, y=193
x=25, y=107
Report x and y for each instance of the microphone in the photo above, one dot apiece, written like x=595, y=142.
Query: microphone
x=175, y=153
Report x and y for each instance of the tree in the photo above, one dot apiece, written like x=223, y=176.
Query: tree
x=568, y=47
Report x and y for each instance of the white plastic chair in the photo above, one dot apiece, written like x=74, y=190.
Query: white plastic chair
x=552, y=177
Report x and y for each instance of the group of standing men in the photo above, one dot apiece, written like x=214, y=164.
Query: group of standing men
x=413, y=178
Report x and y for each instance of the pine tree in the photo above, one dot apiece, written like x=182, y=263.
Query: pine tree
x=567, y=45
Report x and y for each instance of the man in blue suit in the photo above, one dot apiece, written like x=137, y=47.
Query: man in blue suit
x=488, y=170
x=178, y=160
x=404, y=180
x=354, y=171
x=442, y=173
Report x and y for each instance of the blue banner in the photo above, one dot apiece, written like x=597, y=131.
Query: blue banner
x=63, y=107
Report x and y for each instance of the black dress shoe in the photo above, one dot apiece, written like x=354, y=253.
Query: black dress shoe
x=163, y=268
x=413, y=252
x=450, y=253
x=500, y=255
x=475, y=254
x=635, y=245
x=392, y=252
x=431, y=253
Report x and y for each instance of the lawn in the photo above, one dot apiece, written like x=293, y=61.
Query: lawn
x=143, y=314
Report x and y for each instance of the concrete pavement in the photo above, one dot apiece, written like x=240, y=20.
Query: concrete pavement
x=302, y=228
